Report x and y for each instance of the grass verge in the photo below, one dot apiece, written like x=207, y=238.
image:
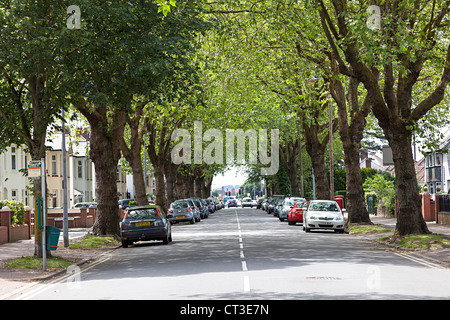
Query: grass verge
x=91, y=242
x=368, y=228
x=421, y=242
x=53, y=262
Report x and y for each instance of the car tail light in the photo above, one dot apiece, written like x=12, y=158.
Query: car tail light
x=200, y=208
x=170, y=210
x=126, y=225
x=188, y=209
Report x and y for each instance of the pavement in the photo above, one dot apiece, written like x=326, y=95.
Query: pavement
x=12, y=280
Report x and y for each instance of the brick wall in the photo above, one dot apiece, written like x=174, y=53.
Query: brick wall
x=11, y=233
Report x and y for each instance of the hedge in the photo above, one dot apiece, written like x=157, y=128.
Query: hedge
x=17, y=210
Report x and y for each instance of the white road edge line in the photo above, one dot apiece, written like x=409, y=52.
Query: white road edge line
x=47, y=286
x=421, y=261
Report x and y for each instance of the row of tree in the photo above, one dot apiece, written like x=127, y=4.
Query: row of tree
x=390, y=59
x=129, y=70
x=139, y=70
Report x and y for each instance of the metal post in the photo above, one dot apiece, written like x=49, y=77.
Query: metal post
x=44, y=215
x=302, y=192
x=331, y=152
x=65, y=209
x=314, y=184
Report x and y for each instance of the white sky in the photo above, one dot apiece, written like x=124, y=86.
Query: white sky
x=233, y=176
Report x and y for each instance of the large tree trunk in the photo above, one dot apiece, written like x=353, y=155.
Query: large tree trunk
x=133, y=156
x=170, y=181
x=106, y=133
x=289, y=158
x=207, y=187
x=160, y=194
x=409, y=210
x=139, y=182
x=198, y=186
x=107, y=219
x=356, y=204
x=351, y=133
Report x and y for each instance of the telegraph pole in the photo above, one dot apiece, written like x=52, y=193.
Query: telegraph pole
x=64, y=184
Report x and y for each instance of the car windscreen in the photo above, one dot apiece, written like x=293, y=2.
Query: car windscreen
x=323, y=206
x=147, y=213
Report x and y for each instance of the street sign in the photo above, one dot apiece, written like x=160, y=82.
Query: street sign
x=388, y=159
x=34, y=170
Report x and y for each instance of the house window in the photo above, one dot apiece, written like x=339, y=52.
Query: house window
x=14, y=194
x=53, y=165
x=438, y=159
x=54, y=198
x=13, y=158
x=80, y=169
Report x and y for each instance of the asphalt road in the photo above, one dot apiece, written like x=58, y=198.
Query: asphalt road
x=247, y=254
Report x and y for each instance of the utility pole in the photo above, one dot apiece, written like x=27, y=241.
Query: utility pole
x=331, y=151
x=302, y=192
x=64, y=184
x=44, y=215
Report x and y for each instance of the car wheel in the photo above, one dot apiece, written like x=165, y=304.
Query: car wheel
x=124, y=244
x=292, y=223
x=166, y=239
x=192, y=221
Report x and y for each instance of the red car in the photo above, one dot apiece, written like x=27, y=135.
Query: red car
x=296, y=213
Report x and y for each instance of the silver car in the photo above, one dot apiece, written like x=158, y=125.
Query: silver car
x=285, y=206
x=180, y=210
x=323, y=214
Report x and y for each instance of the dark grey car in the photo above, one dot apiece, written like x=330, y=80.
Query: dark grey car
x=145, y=223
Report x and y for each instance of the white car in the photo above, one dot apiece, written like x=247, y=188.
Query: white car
x=323, y=214
x=247, y=202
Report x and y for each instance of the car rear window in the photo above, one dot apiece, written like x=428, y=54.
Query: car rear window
x=147, y=213
x=180, y=205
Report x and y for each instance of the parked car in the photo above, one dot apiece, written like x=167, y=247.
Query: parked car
x=286, y=205
x=247, y=202
x=232, y=203
x=296, y=213
x=203, y=209
x=323, y=214
x=125, y=203
x=265, y=204
x=276, y=206
x=85, y=204
x=273, y=201
x=210, y=205
x=259, y=203
x=180, y=210
x=194, y=208
x=145, y=223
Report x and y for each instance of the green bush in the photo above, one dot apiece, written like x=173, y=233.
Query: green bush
x=17, y=210
x=383, y=189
